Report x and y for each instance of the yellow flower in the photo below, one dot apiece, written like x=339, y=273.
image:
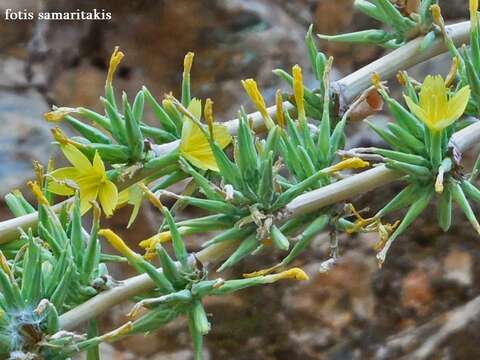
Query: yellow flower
x=436, y=109
x=91, y=179
x=194, y=144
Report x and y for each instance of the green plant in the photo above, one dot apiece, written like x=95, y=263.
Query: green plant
x=278, y=190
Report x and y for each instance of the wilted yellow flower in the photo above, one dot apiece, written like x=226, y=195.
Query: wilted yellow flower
x=115, y=60
x=117, y=242
x=294, y=274
x=194, y=144
x=150, y=243
x=57, y=114
x=187, y=63
x=91, y=178
x=279, y=104
x=436, y=109
x=298, y=91
x=38, y=193
x=255, y=95
x=351, y=163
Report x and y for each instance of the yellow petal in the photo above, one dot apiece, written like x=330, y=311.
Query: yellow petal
x=195, y=108
x=458, y=103
x=123, y=197
x=221, y=135
x=98, y=165
x=69, y=173
x=87, y=194
x=417, y=110
x=77, y=158
x=195, y=147
x=108, y=196
x=134, y=214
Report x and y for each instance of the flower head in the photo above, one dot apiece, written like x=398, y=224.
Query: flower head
x=90, y=177
x=194, y=144
x=436, y=109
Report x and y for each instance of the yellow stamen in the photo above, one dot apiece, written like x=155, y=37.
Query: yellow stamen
x=117, y=242
x=351, y=163
x=115, y=60
x=298, y=91
x=38, y=193
x=279, y=104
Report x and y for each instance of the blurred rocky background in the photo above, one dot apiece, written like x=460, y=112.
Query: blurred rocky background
x=422, y=303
